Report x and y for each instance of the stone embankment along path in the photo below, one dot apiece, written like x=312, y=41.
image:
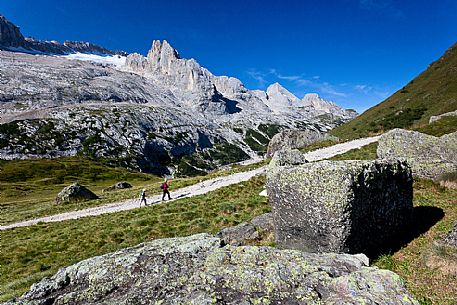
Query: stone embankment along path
x=193, y=190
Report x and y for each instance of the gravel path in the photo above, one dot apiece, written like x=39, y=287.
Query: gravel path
x=338, y=149
x=193, y=190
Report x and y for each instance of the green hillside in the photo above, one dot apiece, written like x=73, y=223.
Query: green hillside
x=433, y=92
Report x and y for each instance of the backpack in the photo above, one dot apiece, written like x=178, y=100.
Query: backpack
x=162, y=186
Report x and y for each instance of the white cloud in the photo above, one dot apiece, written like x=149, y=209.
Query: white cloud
x=363, y=88
x=285, y=77
x=259, y=77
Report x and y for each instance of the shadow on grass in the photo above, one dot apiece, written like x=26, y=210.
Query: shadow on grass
x=424, y=217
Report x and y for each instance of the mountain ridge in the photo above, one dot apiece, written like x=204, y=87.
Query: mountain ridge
x=159, y=113
x=11, y=39
x=432, y=92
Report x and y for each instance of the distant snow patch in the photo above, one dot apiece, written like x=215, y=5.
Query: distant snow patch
x=116, y=60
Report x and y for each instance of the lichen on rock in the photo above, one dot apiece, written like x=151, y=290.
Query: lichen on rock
x=296, y=139
x=429, y=156
x=197, y=270
x=340, y=206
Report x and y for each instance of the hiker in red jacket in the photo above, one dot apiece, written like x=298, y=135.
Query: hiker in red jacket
x=164, y=188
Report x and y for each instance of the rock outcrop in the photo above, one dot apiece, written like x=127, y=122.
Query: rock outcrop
x=314, y=101
x=288, y=157
x=435, y=118
x=340, y=206
x=197, y=270
x=74, y=193
x=296, y=139
x=239, y=235
x=10, y=35
x=118, y=186
x=430, y=157
x=263, y=223
x=280, y=100
x=259, y=228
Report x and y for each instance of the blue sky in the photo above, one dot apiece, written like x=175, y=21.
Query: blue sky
x=354, y=52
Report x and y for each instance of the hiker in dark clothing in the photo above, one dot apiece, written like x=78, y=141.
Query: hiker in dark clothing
x=143, y=197
x=164, y=188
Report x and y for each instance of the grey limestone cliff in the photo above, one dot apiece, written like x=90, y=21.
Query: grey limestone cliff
x=160, y=113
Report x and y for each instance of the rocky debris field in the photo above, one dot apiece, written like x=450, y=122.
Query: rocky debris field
x=197, y=270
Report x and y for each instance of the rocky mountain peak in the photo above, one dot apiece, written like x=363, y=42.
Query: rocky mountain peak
x=162, y=54
x=10, y=35
x=311, y=96
x=315, y=101
x=11, y=38
x=199, y=88
x=277, y=88
x=279, y=99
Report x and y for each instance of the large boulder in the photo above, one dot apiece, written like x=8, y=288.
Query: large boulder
x=263, y=222
x=197, y=270
x=430, y=157
x=239, y=235
x=295, y=139
x=288, y=157
x=259, y=230
x=118, y=186
x=74, y=193
x=340, y=206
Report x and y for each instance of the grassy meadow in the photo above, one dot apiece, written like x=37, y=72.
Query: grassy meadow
x=28, y=188
x=31, y=253
x=432, y=92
